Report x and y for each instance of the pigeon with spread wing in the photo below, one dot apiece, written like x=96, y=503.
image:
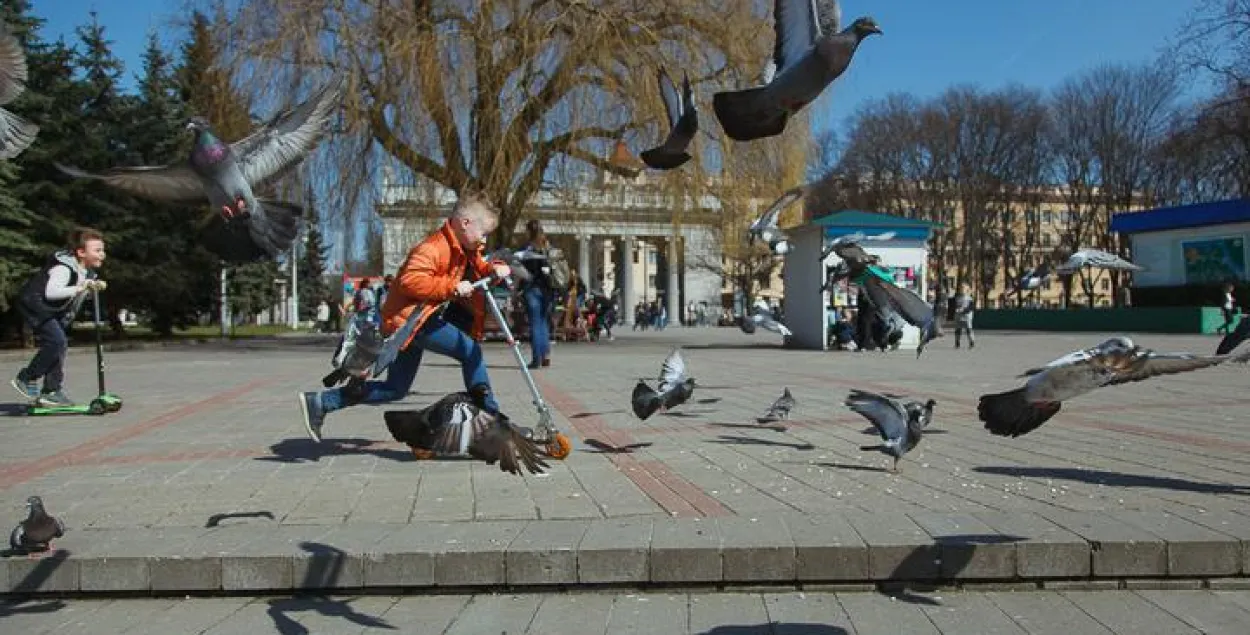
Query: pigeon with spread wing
x=16, y=134
x=809, y=54
x=460, y=425
x=683, y=121
x=886, y=296
x=675, y=388
x=225, y=175
x=1115, y=361
x=900, y=424
x=765, y=227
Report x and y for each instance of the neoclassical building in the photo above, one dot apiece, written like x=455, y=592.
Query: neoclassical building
x=624, y=236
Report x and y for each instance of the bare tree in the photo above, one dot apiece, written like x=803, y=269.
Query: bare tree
x=494, y=95
x=1216, y=39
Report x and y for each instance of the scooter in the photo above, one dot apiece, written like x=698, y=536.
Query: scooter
x=105, y=401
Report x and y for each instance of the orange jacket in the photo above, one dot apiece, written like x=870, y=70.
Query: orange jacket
x=428, y=278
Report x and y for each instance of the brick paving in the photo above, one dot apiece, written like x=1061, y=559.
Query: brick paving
x=211, y=435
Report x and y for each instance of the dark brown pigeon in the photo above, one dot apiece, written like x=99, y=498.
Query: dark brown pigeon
x=35, y=534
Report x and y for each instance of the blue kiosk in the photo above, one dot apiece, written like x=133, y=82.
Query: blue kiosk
x=906, y=254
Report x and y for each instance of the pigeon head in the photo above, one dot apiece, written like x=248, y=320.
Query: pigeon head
x=781, y=248
x=35, y=504
x=198, y=124
x=863, y=27
x=1118, y=344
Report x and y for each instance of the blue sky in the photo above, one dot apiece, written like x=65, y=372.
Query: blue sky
x=926, y=47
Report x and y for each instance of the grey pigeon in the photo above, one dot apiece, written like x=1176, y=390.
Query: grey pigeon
x=765, y=227
x=35, y=534
x=849, y=250
x=1033, y=278
x=809, y=53
x=675, y=388
x=1096, y=259
x=225, y=175
x=909, y=306
x=16, y=134
x=781, y=408
x=901, y=425
x=460, y=425
x=683, y=121
x=762, y=317
x=1115, y=361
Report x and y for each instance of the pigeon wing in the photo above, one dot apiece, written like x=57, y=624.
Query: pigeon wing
x=672, y=100
x=1144, y=364
x=288, y=137
x=172, y=183
x=885, y=414
x=1098, y=260
x=770, y=216
x=673, y=371
x=795, y=28
x=829, y=16
x=1234, y=339
x=645, y=401
x=17, y=538
x=13, y=70
x=1071, y=359
x=910, y=306
x=503, y=442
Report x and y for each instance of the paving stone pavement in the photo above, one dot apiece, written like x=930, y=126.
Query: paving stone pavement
x=208, y=457
x=668, y=613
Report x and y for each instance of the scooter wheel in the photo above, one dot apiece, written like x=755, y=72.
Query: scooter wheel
x=97, y=407
x=115, y=406
x=559, y=446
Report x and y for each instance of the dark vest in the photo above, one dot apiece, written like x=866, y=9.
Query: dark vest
x=32, y=301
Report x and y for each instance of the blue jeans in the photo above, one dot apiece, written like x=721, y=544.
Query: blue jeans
x=437, y=336
x=538, y=308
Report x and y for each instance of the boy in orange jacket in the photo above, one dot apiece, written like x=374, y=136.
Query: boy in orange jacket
x=437, y=269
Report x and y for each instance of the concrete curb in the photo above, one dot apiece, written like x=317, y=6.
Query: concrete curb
x=1062, y=550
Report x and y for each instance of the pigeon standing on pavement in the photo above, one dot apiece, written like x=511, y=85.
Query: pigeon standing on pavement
x=675, y=388
x=683, y=121
x=35, y=534
x=809, y=54
x=16, y=134
x=459, y=425
x=901, y=425
x=781, y=408
x=1115, y=361
x=225, y=175
x=765, y=227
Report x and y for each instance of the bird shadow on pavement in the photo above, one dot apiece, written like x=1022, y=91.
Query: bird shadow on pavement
x=850, y=466
x=325, y=565
x=583, y=415
x=601, y=447
x=873, y=431
x=776, y=628
x=1114, y=479
x=927, y=567
x=40, y=573
x=305, y=450
x=776, y=427
x=729, y=439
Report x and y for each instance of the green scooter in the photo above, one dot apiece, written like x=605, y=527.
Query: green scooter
x=104, y=402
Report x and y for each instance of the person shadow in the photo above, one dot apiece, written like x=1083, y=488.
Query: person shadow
x=325, y=565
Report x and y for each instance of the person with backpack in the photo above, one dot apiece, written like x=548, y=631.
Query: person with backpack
x=48, y=303
x=538, y=292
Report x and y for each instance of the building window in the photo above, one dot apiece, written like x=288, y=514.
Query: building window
x=651, y=281
x=1106, y=285
x=1046, y=240
x=1048, y=217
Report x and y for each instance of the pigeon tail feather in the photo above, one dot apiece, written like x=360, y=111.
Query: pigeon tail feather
x=1011, y=414
x=747, y=115
x=661, y=159
x=281, y=226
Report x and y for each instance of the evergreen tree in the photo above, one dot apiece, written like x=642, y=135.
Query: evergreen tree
x=312, y=266
x=19, y=253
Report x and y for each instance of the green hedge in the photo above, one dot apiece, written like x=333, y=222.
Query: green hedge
x=1175, y=319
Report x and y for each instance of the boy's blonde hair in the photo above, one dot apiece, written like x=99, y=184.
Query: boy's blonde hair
x=475, y=206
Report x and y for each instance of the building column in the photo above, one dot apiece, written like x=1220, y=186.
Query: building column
x=625, y=280
x=583, y=260
x=673, y=290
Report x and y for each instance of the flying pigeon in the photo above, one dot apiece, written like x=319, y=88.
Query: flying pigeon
x=849, y=250
x=1033, y=278
x=683, y=121
x=1115, y=361
x=765, y=227
x=35, y=534
x=906, y=304
x=225, y=175
x=1235, y=338
x=901, y=425
x=1096, y=259
x=675, y=388
x=809, y=53
x=16, y=134
x=762, y=317
x=781, y=408
x=460, y=425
